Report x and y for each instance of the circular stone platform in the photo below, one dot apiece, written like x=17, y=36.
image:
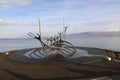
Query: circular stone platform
x=26, y=55
x=37, y=55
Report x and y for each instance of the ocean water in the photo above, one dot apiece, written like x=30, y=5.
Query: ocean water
x=112, y=43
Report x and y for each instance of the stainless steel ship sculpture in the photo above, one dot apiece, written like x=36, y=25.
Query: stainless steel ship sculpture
x=54, y=45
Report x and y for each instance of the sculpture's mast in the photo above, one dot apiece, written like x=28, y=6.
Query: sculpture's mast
x=39, y=26
x=65, y=28
x=63, y=22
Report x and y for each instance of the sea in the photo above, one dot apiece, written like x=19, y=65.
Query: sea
x=112, y=43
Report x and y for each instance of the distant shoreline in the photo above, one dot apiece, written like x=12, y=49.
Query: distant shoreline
x=84, y=34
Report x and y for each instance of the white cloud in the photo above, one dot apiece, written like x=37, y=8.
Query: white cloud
x=115, y=28
x=1, y=20
x=7, y=3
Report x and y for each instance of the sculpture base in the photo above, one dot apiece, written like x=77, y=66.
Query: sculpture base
x=25, y=56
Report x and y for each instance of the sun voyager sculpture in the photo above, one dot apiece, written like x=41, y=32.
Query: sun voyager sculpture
x=53, y=45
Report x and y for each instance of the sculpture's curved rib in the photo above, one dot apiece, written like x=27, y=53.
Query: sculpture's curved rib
x=56, y=46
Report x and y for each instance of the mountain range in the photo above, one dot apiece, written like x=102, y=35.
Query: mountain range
x=95, y=34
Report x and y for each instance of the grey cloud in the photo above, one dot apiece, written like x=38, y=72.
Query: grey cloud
x=13, y=23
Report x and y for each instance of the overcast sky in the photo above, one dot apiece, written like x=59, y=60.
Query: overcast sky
x=18, y=17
